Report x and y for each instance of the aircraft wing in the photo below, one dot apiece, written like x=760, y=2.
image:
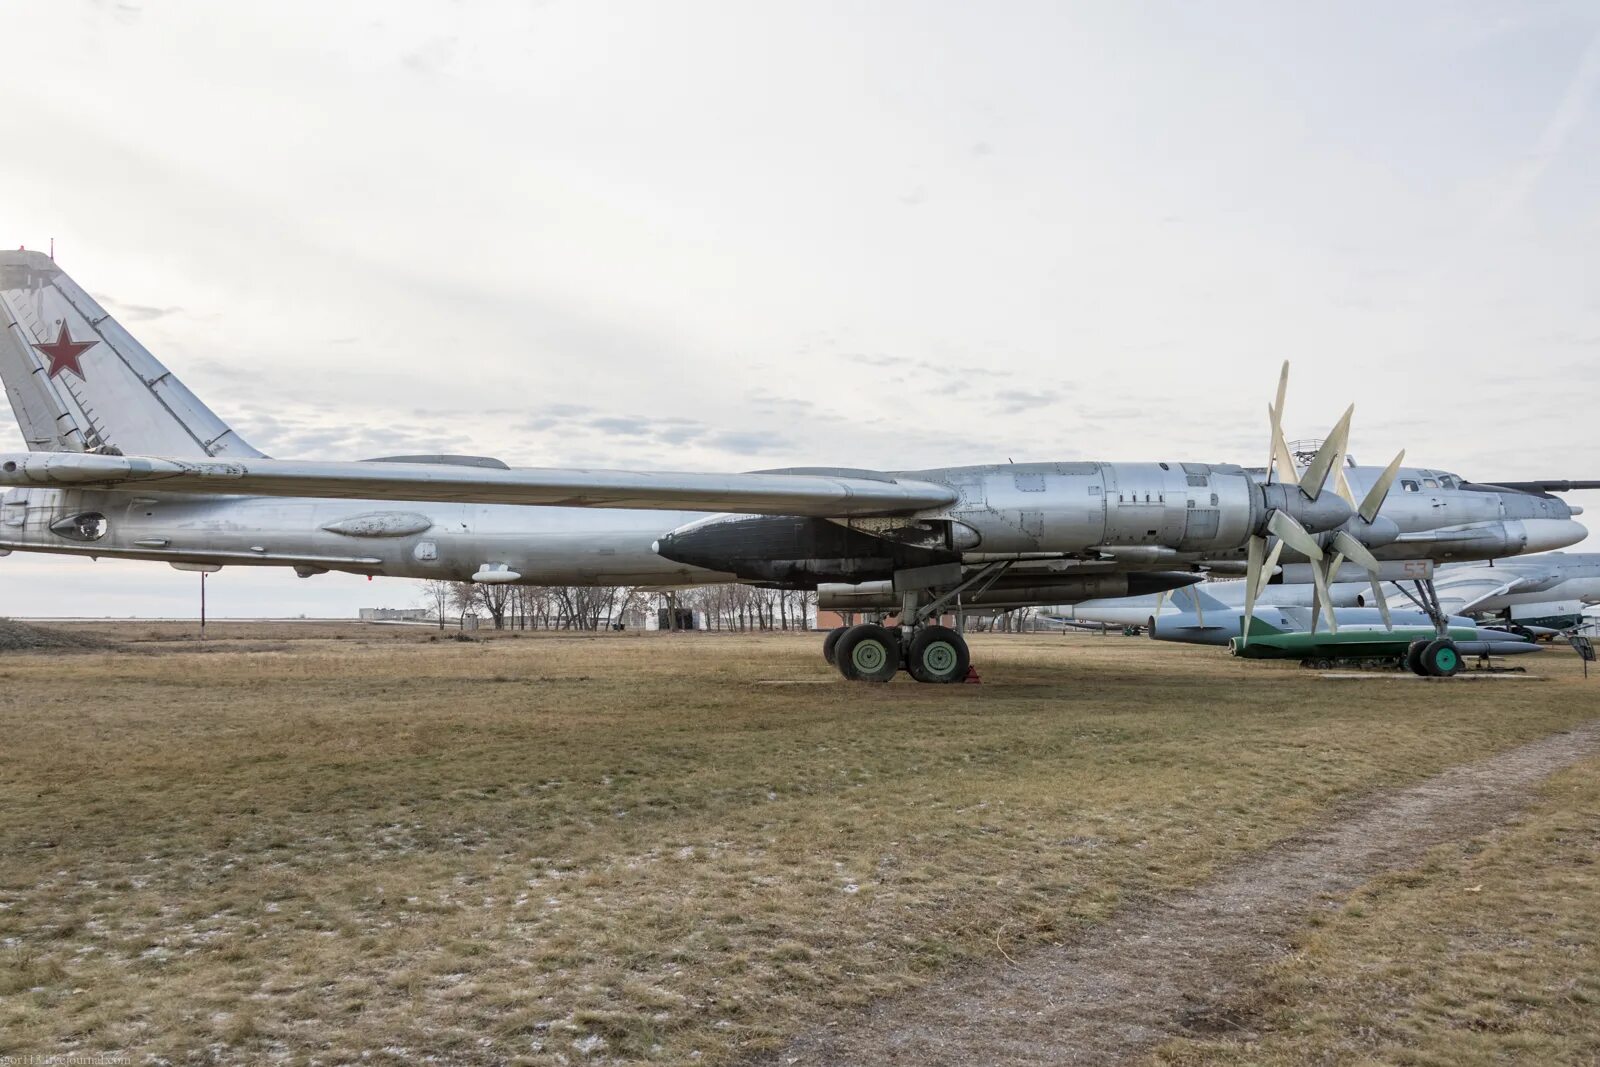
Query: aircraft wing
x=766, y=493
x=1461, y=597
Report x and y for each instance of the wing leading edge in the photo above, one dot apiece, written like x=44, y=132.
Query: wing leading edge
x=760, y=493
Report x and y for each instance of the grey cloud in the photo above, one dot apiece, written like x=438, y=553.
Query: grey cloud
x=138, y=312
x=749, y=441
x=1015, y=401
x=679, y=435
x=763, y=397
x=620, y=424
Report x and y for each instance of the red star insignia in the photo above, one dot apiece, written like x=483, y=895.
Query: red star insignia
x=63, y=352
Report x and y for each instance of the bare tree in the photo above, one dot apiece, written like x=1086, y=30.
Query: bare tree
x=494, y=597
x=436, y=593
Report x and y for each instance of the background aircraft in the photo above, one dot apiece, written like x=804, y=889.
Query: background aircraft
x=1522, y=595
x=1544, y=592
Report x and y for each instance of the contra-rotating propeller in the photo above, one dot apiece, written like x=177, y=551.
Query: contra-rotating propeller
x=1346, y=542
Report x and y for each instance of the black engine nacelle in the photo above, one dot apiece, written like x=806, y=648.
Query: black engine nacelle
x=791, y=551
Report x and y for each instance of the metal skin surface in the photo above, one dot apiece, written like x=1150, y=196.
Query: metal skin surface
x=556, y=546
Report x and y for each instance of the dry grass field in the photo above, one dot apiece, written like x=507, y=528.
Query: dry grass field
x=342, y=843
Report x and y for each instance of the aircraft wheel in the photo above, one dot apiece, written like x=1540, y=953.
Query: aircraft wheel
x=938, y=655
x=1440, y=658
x=1414, y=655
x=831, y=642
x=1523, y=632
x=868, y=653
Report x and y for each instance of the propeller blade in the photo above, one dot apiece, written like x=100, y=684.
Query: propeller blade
x=1277, y=451
x=1341, y=485
x=1355, y=551
x=1252, y=581
x=1383, y=602
x=1380, y=489
x=1321, y=581
x=1316, y=475
x=1270, y=567
x=1294, y=535
x=1316, y=600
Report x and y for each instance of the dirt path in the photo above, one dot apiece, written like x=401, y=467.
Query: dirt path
x=1174, y=966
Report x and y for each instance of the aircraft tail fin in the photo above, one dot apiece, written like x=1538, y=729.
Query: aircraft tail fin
x=1197, y=597
x=79, y=382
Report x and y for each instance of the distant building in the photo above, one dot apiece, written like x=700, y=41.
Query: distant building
x=397, y=615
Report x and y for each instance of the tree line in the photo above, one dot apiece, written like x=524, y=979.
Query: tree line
x=578, y=607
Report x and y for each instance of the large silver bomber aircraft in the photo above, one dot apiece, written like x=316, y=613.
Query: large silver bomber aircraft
x=124, y=461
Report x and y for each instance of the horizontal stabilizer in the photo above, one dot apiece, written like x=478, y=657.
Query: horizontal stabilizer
x=765, y=494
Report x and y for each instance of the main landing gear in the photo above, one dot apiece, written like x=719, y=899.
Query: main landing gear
x=868, y=652
x=930, y=653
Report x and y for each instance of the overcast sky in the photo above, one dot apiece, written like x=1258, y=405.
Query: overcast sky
x=737, y=235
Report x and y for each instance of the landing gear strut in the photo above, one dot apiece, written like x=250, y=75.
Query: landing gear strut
x=1439, y=657
x=927, y=651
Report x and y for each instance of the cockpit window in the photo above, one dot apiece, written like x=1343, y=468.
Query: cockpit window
x=1450, y=481
x=1409, y=486
x=1429, y=483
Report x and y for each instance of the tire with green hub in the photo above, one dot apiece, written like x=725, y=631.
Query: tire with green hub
x=831, y=642
x=938, y=655
x=1441, y=659
x=868, y=653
